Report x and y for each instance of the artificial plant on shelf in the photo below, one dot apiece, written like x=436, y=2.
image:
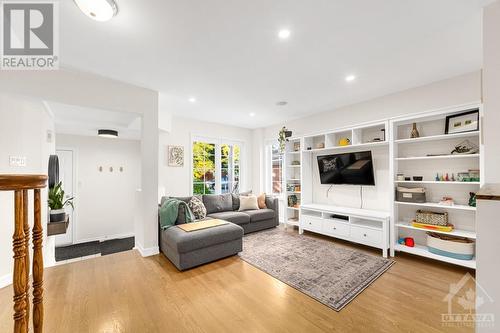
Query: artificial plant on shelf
x=283, y=136
x=57, y=203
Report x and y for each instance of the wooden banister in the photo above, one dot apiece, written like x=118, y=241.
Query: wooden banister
x=20, y=185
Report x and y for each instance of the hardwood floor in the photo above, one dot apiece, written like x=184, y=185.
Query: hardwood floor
x=127, y=293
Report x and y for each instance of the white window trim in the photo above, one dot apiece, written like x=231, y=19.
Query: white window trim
x=218, y=142
x=269, y=169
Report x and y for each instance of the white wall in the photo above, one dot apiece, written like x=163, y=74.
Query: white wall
x=488, y=246
x=491, y=91
x=24, y=124
x=455, y=91
x=458, y=90
x=177, y=180
x=94, y=91
x=105, y=201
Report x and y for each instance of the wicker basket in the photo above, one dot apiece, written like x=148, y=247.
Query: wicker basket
x=432, y=218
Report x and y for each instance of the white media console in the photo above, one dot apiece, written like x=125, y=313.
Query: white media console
x=364, y=226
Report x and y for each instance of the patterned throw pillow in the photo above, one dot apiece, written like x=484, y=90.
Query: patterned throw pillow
x=198, y=208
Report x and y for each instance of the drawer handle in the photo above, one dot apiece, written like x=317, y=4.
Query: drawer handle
x=364, y=235
x=310, y=223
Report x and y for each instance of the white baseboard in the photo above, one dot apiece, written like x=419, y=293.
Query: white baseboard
x=5, y=280
x=104, y=238
x=150, y=251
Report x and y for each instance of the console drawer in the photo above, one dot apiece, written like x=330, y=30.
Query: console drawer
x=312, y=223
x=365, y=235
x=335, y=228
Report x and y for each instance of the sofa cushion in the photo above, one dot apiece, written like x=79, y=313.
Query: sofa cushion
x=260, y=214
x=198, y=208
x=216, y=203
x=183, y=242
x=236, y=199
x=248, y=203
x=261, y=200
x=235, y=217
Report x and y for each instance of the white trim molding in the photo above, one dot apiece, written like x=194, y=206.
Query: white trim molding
x=150, y=251
x=5, y=280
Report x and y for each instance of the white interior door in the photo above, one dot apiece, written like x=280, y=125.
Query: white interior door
x=66, y=176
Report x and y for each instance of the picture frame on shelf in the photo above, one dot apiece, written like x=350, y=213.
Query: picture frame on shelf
x=463, y=122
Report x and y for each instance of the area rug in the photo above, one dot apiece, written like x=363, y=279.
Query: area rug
x=331, y=274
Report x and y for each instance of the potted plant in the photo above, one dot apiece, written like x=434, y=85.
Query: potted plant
x=57, y=203
x=283, y=136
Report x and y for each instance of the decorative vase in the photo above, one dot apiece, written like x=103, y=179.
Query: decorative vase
x=472, y=199
x=414, y=132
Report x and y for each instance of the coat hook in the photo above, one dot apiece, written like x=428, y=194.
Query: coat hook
x=100, y=169
x=111, y=169
x=121, y=169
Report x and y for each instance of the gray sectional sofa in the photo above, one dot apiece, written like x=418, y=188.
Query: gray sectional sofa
x=189, y=249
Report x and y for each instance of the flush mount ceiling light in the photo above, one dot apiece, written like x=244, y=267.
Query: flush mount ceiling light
x=284, y=34
x=107, y=133
x=192, y=99
x=252, y=114
x=350, y=78
x=99, y=10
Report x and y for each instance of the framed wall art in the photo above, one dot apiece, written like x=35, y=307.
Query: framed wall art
x=175, y=156
x=463, y=122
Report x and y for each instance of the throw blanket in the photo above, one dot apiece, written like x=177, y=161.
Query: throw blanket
x=170, y=210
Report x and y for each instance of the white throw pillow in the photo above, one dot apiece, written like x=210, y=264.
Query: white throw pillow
x=248, y=203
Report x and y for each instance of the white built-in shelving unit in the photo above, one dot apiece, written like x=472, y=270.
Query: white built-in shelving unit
x=292, y=179
x=424, y=156
x=360, y=137
x=427, y=156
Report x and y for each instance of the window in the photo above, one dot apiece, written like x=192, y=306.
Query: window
x=275, y=178
x=216, y=166
x=203, y=168
x=230, y=167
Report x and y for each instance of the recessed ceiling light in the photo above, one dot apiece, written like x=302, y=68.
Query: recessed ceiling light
x=252, y=114
x=107, y=133
x=281, y=103
x=99, y=10
x=350, y=78
x=284, y=34
x=192, y=99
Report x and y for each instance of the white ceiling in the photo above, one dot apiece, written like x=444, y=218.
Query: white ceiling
x=227, y=54
x=77, y=120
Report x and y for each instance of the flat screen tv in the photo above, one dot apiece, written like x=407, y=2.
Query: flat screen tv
x=347, y=169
